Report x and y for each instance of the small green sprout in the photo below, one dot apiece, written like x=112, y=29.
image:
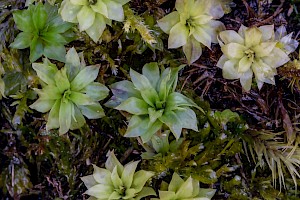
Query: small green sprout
x=69, y=93
x=178, y=189
x=92, y=15
x=192, y=24
x=152, y=101
x=248, y=51
x=43, y=31
x=118, y=181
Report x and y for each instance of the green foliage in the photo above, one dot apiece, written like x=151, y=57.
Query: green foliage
x=198, y=155
x=281, y=158
x=43, y=31
x=69, y=93
x=193, y=24
x=118, y=181
x=180, y=189
x=211, y=147
x=152, y=100
x=248, y=51
x=92, y=15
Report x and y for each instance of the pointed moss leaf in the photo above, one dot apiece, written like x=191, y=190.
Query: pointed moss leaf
x=151, y=71
x=166, y=195
x=56, y=52
x=23, y=19
x=73, y=64
x=122, y=90
x=88, y=181
x=140, y=178
x=175, y=183
x=129, y=193
x=115, y=177
x=61, y=80
x=77, y=119
x=138, y=125
x=84, y=78
x=49, y=92
x=56, y=24
x=192, y=50
x=196, y=188
x=22, y=41
x=134, y=106
x=146, y=191
x=65, y=111
x=114, y=195
x=152, y=129
x=36, y=49
x=186, y=189
x=173, y=122
x=141, y=126
x=52, y=38
x=112, y=161
x=100, y=191
x=39, y=16
x=141, y=83
x=45, y=72
x=128, y=172
x=96, y=29
x=115, y=10
x=42, y=105
x=102, y=175
x=164, y=88
x=53, y=118
x=187, y=118
x=93, y=111
x=154, y=114
x=176, y=99
x=208, y=193
x=86, y=18
x=81, y=99
x=96, y=91
x=100, y=7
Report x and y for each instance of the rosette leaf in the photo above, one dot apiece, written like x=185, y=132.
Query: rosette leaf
x=43, y=31
x=152, y=101
x=184, y=190
x=69, y=93
x=285, y=41
x=192, y=25
x=248, y=51
x=118, y=181
x=92, y=15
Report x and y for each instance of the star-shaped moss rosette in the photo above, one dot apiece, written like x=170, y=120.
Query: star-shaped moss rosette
x=118, y=181
x=192, y=24
x=184, y=190
x=69, y=93
x=152, y=101
x=285, y=41
x=43, y=31
x=92, y=15
x=248, y=51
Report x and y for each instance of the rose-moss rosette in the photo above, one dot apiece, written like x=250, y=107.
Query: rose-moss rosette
x=192, y=24
x=69, y=93
x=92, y=15
x=184, y=190
x=118, y=181
x=43, y=31
x=152, y=101
x=285, y=41
x=248, y=51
